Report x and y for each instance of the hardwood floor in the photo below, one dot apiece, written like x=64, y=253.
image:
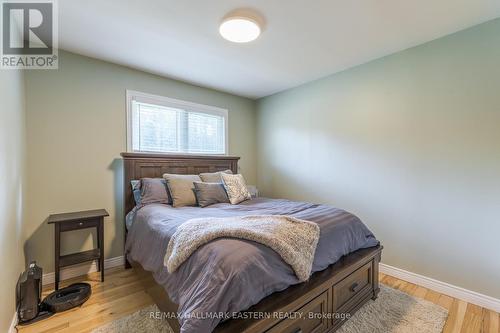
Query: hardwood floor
x=462, y=317
x=122, y=293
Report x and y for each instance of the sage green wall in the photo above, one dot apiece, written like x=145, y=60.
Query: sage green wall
x=12, y=157
x=411, y=144
x=76, y=120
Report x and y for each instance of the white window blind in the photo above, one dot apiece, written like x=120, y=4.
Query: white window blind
x=160, y=124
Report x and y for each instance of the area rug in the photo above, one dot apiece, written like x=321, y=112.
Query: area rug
x=392, y=312
x=397, y=312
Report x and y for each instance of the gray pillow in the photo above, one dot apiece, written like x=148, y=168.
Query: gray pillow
x=209, y=193
x=181, y=189
x=213, y=177
x=154, y=190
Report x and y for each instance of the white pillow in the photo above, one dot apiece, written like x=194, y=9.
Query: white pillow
x=236, y=188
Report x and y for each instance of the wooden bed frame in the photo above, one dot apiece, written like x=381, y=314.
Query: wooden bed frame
x=325, y=301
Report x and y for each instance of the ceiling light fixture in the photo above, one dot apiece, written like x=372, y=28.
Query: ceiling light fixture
x=241, y=26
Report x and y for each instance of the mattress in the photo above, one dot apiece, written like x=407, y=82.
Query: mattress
x=229, y=275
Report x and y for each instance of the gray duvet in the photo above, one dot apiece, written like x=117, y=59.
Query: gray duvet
x=228, y=275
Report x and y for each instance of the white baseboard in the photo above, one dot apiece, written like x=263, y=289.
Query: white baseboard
x=13, y=323
x=82, y=269
x=443, y=287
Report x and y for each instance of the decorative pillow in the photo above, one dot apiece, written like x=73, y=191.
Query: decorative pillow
x=181, y=189
x=213, y=177
x=236, y=188
x=154, y=190
x=209, y=193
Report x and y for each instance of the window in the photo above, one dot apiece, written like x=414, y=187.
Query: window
x=164, y=125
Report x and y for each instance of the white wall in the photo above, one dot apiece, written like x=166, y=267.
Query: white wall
x=12, y=157
x=411, y=144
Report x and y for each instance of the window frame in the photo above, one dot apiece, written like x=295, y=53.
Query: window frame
x=132, y=95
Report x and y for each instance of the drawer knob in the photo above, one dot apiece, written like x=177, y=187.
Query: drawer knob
x=354, y=288
x=80, y=224
x=298, y=331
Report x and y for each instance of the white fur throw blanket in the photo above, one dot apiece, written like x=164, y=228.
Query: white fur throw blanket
x=293, y=239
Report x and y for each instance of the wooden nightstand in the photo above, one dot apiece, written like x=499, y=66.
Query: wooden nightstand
x=76, y=221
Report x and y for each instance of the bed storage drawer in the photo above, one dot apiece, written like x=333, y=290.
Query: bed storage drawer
x=313, y=318
x=356, y=283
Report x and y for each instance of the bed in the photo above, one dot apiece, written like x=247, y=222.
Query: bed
x=245, y=281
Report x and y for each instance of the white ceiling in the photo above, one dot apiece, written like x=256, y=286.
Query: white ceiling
x=302, y=40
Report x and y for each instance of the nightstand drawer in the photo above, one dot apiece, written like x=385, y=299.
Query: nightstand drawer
x=82, y=224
